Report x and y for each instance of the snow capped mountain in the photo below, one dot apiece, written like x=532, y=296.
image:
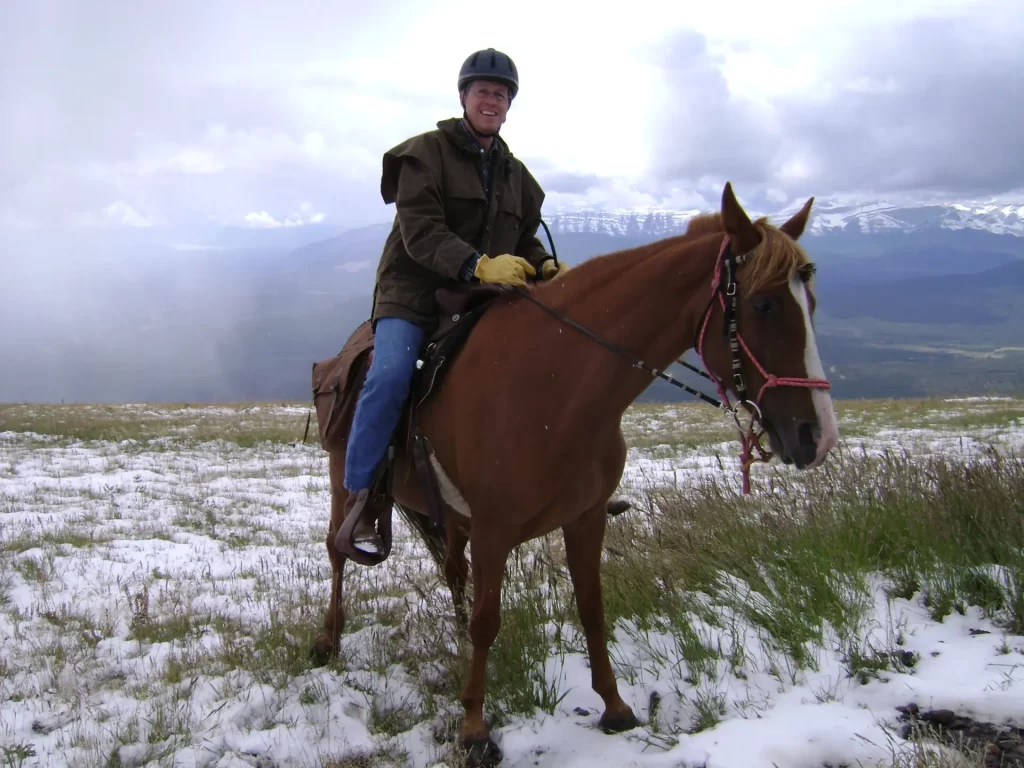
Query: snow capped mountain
x=999, y=219
x=621, y=222
x=828, y=216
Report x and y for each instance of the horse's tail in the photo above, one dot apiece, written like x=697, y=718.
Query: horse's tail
x=436, y=542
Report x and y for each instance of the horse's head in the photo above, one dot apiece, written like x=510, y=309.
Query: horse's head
x=780, y=372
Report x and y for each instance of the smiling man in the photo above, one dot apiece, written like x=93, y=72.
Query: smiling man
x=466, y=210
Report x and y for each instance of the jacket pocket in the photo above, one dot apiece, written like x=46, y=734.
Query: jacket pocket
x=465, y=206
x=508, y=222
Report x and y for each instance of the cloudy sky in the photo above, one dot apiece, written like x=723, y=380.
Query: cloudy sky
x=121, y=113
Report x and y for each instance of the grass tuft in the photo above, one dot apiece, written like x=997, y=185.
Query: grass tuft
x=799, y=563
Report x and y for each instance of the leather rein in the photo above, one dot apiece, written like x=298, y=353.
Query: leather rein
x=725, y=288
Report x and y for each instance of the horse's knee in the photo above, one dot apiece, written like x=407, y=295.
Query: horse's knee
x=332, y=551
x=483, y=628
x=337, y=558
x=455, y=568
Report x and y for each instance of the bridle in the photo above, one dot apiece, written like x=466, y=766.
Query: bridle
x=726, y=289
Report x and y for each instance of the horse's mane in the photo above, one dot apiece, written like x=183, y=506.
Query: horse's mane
x=776, y=260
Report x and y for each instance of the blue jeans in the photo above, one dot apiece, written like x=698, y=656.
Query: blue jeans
x=396, y=348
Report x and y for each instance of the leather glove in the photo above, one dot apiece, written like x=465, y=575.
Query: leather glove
x=548, y=270
x=505, y=269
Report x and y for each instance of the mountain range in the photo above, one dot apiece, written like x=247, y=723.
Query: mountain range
x=830, y=216
x=359, y=249
x=914, y=300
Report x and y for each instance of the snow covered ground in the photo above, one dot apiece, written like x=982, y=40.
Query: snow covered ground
x=157, y=598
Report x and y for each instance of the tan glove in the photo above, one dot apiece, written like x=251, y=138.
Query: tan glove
x=505, y=269
x=548, y=270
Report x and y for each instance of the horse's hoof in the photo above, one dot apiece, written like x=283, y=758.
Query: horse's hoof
x=623, y=721
x=618, y=506
x=481, y=752
x=321, y=651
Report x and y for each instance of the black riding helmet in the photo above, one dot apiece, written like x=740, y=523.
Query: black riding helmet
x=490, y=64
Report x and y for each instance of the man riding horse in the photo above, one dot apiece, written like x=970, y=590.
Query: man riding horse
x=466, y=210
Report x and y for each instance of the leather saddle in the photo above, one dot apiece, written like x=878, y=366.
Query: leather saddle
x=338, y=381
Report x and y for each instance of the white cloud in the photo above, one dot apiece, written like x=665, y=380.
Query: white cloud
x=189, y=247
x=261, y=219
x=13, y=221
x=191, y=161
x=306, y=215
x=268, y=110
x=357, y=266
x=118, y=213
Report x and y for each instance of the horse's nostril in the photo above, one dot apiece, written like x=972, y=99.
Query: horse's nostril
x=805, y=434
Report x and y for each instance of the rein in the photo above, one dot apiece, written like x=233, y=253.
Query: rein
x=750, y=439
x=637, y=363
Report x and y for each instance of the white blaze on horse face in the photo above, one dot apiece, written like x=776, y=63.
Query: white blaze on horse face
x=820, y=397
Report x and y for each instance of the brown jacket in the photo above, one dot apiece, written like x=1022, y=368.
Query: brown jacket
x=443, y=217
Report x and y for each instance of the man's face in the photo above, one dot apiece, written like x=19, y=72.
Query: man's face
x=486, y=105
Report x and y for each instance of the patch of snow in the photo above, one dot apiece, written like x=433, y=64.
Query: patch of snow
x=227, y=534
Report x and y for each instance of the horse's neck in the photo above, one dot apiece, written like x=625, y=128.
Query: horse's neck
x=650, y=309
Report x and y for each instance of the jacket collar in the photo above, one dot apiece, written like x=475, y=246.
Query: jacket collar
x=458, y=133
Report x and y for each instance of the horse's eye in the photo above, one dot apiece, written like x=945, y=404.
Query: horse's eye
x=763, y=304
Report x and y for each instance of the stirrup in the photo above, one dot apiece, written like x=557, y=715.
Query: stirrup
x=370, y=543
x=352, y=545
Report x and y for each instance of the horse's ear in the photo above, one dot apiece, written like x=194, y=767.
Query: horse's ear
x=795, y=226
x=745, y=236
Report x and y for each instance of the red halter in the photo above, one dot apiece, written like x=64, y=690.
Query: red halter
x=749, y=439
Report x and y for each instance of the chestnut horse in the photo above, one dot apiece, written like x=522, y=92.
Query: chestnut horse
x=525, y=428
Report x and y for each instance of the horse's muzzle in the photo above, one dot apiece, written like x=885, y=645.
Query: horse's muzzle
x=803, y=444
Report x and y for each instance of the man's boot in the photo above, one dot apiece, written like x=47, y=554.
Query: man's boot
x=364, y=536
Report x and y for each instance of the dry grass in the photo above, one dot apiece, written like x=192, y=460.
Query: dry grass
x=172, y=551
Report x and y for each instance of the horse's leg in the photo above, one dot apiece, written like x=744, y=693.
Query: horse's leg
x=456, y=571
x=618, y=505
x=326, y=644
x=489, y=557
x=584, y=538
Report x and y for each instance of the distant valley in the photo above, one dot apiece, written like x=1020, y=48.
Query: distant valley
x=914, y=301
